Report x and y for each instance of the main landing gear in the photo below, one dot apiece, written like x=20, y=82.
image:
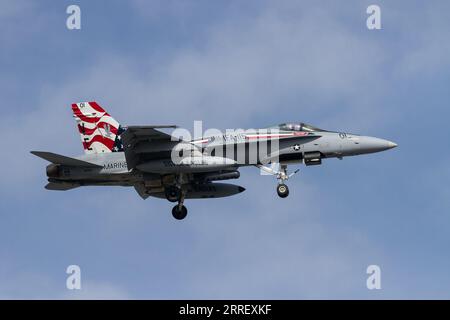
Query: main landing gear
x=282, y=176
x=173, y=193
x=179, y=212
x=177, y=194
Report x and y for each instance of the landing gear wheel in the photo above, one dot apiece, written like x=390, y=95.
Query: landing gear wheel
x=173, y=194
x=179, y=213
x=282, y=190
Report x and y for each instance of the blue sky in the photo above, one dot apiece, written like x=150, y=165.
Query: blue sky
x=231, y=64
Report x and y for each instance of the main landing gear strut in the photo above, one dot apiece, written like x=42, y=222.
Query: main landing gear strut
x=176, y=193
x=179, y=211
x=282, y=176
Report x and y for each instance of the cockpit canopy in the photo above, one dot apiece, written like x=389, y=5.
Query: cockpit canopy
x=296, y=127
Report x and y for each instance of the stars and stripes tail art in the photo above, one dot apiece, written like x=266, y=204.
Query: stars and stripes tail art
x=100, y=133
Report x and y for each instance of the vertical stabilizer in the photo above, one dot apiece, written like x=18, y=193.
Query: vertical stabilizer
x=100, y=133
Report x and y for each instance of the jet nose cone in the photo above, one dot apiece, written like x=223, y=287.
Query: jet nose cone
x=391, y=144
x=372, y=144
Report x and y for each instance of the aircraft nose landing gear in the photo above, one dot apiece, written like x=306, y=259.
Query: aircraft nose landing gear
x=282, y=176
x=282, y=190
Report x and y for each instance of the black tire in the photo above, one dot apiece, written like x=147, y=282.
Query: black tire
x=282, y=190
x=173, y=194
x=179, y=214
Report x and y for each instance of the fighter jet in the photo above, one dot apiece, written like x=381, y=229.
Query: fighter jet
x=162, y=165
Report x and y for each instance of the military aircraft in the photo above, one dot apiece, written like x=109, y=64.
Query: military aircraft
x=165, y=166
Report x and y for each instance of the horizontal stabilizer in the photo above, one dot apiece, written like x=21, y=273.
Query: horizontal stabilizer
x=61, y=186
x=63, y=160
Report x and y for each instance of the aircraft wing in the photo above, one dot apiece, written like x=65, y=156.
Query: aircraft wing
x=146, y=142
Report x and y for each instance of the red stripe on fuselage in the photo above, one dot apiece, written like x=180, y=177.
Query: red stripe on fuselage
x=270, y=136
